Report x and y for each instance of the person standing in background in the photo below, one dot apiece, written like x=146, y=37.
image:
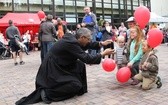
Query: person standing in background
x=2, y=39
x=131, y=23
x=122, y=29
x=115, y=32
x=60, y=28
x=11, y=33
x=26, y=39
x=40, y=42
x=106, y=35
x=90, y=21
x=48, y=33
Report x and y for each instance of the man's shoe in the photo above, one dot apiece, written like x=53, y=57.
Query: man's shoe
x=81, y=92
x=158, y=82
x=44, y=97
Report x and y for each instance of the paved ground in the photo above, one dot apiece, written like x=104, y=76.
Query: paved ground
x=103, y=88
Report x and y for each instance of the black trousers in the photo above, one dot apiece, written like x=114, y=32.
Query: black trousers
x=135, y=69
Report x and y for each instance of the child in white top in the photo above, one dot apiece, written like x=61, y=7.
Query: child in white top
x=119, y=51
x=26, y=39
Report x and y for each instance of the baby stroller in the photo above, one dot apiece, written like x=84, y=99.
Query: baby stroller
x=5, y=51
x=21, y=45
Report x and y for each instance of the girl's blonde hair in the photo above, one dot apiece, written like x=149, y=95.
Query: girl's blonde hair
x=138, y=39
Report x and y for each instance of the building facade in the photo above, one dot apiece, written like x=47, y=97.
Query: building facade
x=115, y=11
x=160, y=9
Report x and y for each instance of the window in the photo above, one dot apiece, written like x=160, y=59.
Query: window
x=70, y=18
x=35, y=5
x=6, y=5
x=20, y=5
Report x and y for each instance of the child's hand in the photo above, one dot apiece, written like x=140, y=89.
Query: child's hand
x=145, y=65
x=129, y=64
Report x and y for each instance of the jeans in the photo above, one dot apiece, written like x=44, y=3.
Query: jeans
x=46, y=47
x=90, y=51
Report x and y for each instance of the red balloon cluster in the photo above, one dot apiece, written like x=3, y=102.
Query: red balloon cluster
x=41, y=14
x=142, y=16
x=154, y=37
x=108, y=65
x=123, y=74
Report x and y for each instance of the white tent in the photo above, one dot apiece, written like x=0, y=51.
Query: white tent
x=154, y=18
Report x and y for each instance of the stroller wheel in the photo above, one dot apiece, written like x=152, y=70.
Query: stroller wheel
x=6, y=54
x=3, y=55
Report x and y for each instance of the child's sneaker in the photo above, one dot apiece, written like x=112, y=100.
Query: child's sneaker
x=22, y=63
x=158, y=82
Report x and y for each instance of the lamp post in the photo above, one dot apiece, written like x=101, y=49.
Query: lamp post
x=94, y=6
x=53, y=7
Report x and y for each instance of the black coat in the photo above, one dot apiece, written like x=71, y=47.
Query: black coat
x=63, y=74
x=106, y=35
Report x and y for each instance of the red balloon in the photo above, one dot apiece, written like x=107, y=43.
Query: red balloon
x=142, y=16
x=154, y=37
x=41, y=14
x=123, y=74
x=108, y=65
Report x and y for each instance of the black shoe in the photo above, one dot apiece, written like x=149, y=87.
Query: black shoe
x=81, y=93
x=26, y=52
x=44, y=97
x=158, y=82
x=22, y=63
x=15, y=63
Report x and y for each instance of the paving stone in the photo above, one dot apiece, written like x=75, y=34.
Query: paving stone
x=103, y=88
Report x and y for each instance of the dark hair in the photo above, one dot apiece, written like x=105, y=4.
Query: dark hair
x=10, y=22
x=105, y=23
x=113, y=26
